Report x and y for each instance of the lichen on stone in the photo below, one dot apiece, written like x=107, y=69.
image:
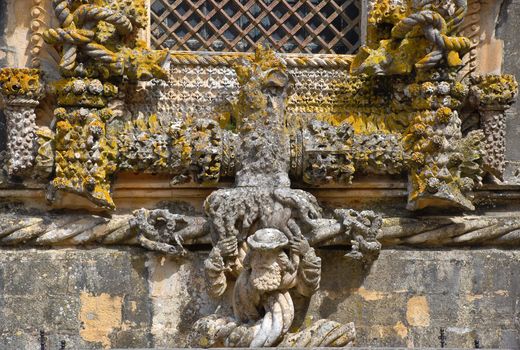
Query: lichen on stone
x=20, y=82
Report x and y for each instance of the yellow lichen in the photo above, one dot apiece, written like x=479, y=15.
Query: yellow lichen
x=83, y=92
x=20, y=81
x=495, y=89
x=85, y=154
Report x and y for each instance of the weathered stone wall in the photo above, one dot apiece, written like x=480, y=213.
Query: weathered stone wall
x=14, y=32
x=507, y=27
x=126, y=298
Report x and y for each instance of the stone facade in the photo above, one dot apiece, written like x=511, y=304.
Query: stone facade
x=125, y=298
x=179, y=199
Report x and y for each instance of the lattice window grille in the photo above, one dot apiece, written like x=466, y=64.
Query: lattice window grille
x=304, y=26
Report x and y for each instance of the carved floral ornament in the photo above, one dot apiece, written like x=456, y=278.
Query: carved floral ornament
x=399, y=110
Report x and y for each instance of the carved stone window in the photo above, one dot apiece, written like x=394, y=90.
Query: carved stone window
x=311, y=26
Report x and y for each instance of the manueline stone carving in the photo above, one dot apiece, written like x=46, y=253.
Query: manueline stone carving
x=20, y=89
x=395, y=115
x=99, y=45
x=398, y=113
x=493, y=95
x=265, y=131
x=263, y=307
x=160, y=230
x=417, y=67
x=262, y=230
x=423, y=34
x=90, y=33
x=71, y=228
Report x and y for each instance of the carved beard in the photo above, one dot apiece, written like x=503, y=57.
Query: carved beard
x=266, y=278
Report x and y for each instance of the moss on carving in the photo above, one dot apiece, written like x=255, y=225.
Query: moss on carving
x=415, y=36
x=406, y=85
x=494, y=89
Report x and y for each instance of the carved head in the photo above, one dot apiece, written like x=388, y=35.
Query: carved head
x=266, y=259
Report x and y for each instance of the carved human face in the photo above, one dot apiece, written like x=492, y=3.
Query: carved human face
x=266, y=272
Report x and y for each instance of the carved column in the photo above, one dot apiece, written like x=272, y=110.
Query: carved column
x=493, y=95
x=492, y=122
x=21, y=90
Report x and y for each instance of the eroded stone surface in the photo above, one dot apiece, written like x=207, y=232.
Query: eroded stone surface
x=471, y=293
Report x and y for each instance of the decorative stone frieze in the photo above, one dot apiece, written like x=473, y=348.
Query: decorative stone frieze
x=35, y=228
x=394, y=115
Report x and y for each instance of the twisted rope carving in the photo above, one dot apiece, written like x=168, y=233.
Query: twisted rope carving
x=429, y=19
x=92, y=13
x=70, y=38
x=451, y=231
x=434, y=28
x=64, y=230
x=69, y=56
x=455, y=22
x=72, y=35
x=79, y=229
x=315, y=61
x=100, y=53
x=62, y=11
x=69, y=35
x=21, y=102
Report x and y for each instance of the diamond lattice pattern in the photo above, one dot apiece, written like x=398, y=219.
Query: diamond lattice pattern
x=305, y=26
